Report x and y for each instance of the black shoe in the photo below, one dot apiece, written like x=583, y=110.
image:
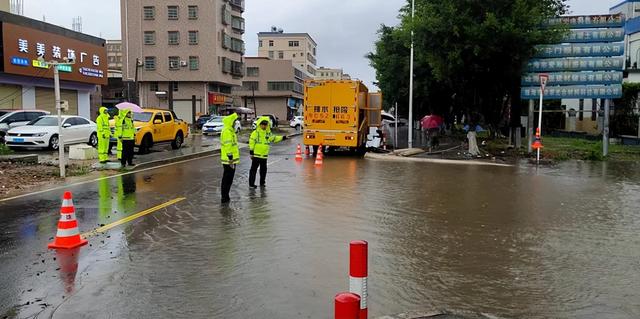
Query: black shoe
x=263, y=185
x=253, y=186
x=226, y=200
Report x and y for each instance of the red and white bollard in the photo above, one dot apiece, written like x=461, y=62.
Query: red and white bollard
x=347, y=306
x=358, y=272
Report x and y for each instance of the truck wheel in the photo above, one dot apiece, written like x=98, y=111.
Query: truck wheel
x=177, y=142
x=145, y=145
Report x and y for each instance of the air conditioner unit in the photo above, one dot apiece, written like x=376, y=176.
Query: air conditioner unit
x=183, y=63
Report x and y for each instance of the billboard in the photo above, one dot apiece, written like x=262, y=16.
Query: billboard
x=23, y=46
x=575, y=78
x=579, y=50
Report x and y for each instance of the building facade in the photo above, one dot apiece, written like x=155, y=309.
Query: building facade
x=272, y=87
x=175, y=50
x=331, y=74
x=26, y=79
x=299, y=48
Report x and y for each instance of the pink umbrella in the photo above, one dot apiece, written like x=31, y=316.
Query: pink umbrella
x=431, y=121
x=129, y=106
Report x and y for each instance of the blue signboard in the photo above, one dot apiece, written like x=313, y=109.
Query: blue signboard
x=19, y=61
x=574, y=78
x=576, y=64
x=595, y=35
x=588, y=21
x=579, y=50
x=573, y=92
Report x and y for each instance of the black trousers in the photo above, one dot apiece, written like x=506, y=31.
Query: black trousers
x=227, y=180
x=255, y=163
x=127, y=152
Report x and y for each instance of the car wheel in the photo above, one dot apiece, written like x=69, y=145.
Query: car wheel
x=54, y=142
x=145, y=145
x=177, y=142
x=93, y=139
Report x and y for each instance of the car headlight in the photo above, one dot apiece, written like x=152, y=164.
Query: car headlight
x=39, y=134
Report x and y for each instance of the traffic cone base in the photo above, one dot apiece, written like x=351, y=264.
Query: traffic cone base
x=68, y=235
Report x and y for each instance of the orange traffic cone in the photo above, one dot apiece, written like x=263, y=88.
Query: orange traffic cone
x=68, y=235
x=537, y=144
x=319, y=157
x=307, y=152
x=299, y=153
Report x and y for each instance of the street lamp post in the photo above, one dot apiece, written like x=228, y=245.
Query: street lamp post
x=410, y=138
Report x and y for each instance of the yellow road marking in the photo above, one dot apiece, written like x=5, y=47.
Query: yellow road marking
x=130, y=218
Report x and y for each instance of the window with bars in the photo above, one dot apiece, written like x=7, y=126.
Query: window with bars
x=149, y=37
x=194, y=63
x=149, y=63
x=280, y=86
x=253, y=71
x=193, y=37
x=193, y=12
x=174, y=37
x=237, y=23
x=174, y=63
x=172, y=12
x=251, y=85
x=149, y=13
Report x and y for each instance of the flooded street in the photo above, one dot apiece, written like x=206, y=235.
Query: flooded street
x=515, y=242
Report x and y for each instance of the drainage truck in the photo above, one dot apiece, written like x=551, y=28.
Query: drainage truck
x=340, y=114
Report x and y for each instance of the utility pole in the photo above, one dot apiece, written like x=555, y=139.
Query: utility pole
x=395, y=136
x=56, y=88
x=410, y=138
x=605, y=131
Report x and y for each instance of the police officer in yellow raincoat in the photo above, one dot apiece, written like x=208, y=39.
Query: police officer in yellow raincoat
x=259, y=147
x=104, y=135
x=128, y=138
x=118, y=132
x=229, y=154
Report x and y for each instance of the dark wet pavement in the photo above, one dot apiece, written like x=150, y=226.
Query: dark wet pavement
x=560, y=242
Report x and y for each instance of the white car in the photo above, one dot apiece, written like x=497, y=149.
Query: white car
x=43, y=133
x=214, y=126
x=297, y=122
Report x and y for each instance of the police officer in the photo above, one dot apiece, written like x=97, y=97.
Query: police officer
x=104, y=134
x=118, y=132
x=259, y=146
x=229, y=154
x=128, y=138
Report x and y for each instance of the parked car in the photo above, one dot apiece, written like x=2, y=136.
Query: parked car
x=391, y=120
x=14, y=118
x=214, y=126
x=273, y=121
x=297, y=122
x=43, y=132
x=201, y=120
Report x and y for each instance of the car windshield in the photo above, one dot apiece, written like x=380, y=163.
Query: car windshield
x=142, y=117
x=44, y=121
x=217, y=119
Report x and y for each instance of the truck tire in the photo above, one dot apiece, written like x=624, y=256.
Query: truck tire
x=177, y=141
x=145, y=145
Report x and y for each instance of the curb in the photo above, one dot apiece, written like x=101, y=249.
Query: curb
x=175, y=159
x=432, y=160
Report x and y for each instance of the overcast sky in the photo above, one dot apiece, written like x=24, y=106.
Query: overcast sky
x=344, y=29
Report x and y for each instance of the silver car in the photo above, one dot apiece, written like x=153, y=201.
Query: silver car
x=14, y=118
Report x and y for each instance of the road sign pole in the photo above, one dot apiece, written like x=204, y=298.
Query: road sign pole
x=56, y=85
x=605, y=131
x=543, y=83
x=530, y=125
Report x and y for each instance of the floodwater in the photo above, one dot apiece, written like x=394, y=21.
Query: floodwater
x=514, y=242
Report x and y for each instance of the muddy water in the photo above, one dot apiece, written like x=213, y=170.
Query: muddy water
x=559, y=242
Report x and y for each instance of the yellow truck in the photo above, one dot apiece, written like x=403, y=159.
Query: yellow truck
x=154, y=126
x=339, y=114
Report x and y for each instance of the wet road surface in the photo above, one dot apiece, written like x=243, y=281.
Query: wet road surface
x=560, y=242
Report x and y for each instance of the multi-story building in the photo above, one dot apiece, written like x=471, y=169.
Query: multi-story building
x=300, y=48
x=323, y=73
x=114, y=55
x=272, y=87
x=175, y=50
